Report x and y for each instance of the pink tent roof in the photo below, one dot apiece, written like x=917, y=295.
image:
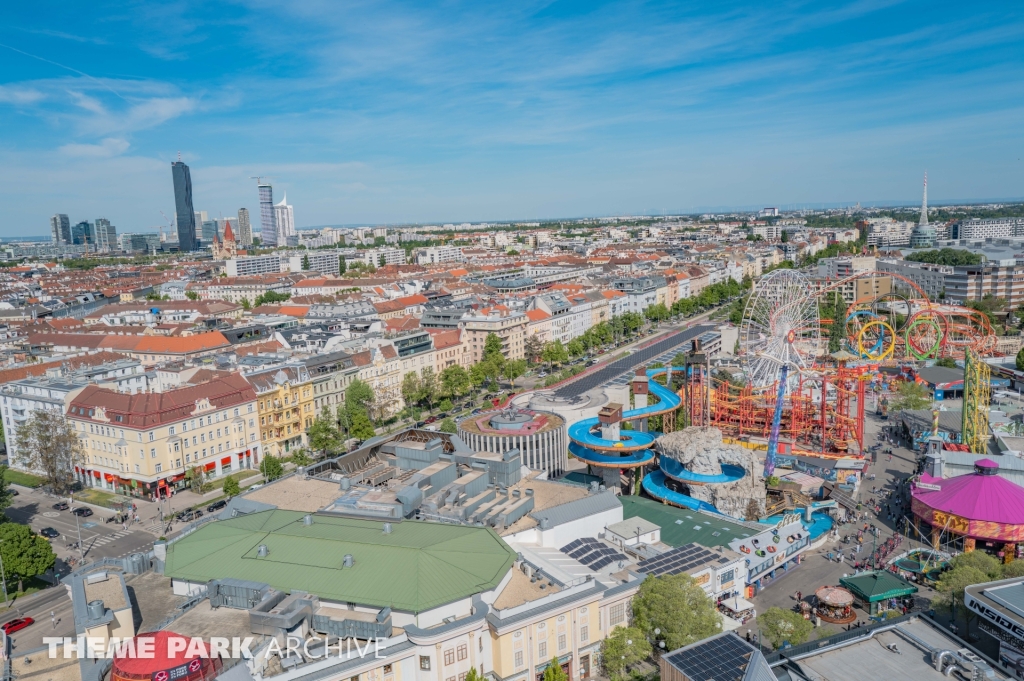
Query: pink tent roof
x=981, y=495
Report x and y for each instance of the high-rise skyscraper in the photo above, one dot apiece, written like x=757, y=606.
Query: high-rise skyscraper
x=268, y=223
x=284, y=216
x=104, y=235
x=60, y=229
x=924, y=202
x=82, y=234
x=210, y=231
x=183, y=211
x=244, y=228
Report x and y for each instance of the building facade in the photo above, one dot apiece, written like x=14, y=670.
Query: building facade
x=268, y=217
x=60, y=229
x=184, y=213
x=244, y=227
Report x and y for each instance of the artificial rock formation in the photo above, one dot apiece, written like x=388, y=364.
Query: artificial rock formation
x=702, y=451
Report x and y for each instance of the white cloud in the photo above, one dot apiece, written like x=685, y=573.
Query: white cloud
x=111, y=146
x=20, y=96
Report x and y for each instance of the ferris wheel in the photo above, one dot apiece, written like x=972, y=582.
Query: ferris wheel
x=780, y=328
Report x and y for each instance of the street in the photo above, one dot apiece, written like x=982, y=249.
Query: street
x=816, y=570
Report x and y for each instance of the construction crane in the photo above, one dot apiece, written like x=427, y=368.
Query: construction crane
x=170, y=226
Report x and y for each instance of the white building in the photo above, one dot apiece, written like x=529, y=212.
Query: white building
x=284, y=215
x=437, y=254
x=247, y=267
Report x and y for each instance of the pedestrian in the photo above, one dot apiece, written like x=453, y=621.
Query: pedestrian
x=799, y=596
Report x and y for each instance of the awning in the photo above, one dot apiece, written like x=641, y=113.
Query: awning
x=210, y=466
x=108, y=477
x=737, y=604
x=96, y=474
x=226, y=461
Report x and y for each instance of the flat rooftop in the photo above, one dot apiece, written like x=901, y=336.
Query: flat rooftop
x=297, y=493
x=680, y=526
x=546, y=494
x=872, y=659
x=414, y=567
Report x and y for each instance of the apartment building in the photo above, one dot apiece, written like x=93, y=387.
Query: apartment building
x=381, y=368
x=286, y=406
x=1000, y=278
x=561, y=316
x=142, y=445
x=987, y=228
x=237, y=289
x=509, y=326
x=929, y=277
x=437, y=254
x=449, y=350
x=330, y=375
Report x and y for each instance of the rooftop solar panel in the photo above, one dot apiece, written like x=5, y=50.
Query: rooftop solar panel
x=723, y=658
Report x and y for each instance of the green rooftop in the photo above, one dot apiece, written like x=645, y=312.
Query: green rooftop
x=418, y=566
x=681, y=526
x=878, y=585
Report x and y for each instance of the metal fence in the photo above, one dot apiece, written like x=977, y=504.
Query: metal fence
x=780, y=656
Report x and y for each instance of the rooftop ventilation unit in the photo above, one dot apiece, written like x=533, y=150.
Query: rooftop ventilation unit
x=348, y=561
x=96, y=609
x=387, y=528
x=307, y=519
x=262, y=551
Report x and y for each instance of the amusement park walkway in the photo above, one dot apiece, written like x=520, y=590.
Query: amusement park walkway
x=610, y=372
x=816, y=570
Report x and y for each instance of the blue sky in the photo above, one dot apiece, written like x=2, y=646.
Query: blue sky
x=384, y=112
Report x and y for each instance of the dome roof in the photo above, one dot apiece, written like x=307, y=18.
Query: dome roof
x=981, y=495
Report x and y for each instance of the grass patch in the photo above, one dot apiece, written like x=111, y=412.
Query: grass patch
x=98, y=497
x=23, y=479
x=31, y=585
x=218, y=483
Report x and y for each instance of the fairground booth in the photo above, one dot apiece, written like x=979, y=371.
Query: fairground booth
x=878, y=591
x=977, y=510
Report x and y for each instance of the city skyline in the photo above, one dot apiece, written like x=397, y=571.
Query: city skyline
x=532, y=112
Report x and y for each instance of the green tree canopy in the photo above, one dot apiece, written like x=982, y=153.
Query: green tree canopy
x=448, y=425
x=411, y=388
x=953, y=582
x=48, y=442
x=1020, y=360
x=362, y=428
x=25, y=555
x=271, y=468
x=271, y=297
x=454, y=381
x=624, y=648
x=231, y=487
x=677, y=606
x=784, y=626
x=554, y=671
x=911, y=395
x=6, y=493
x=323, y=433
x=947, y=256
x=514, y=369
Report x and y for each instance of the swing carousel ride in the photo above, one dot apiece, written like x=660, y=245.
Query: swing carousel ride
x=784, y=338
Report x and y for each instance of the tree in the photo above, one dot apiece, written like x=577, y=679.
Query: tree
x=271, y=468
x=947, y=256
x=952, y=584
x=196, y=477
x=428, y=386
x=473, y=675
x=947, y=362
x=246, y=305
x=513, y=370
x=231, y=487
x=323, y=434
x=341, y=265
x=625, y=647
x=909, y=396
x=784, y=626
x=575, y=348
x=48, y=443
x=478, y=374
x=412, y=391
x=454, y=381
x=362, y=428
x=271, y=297
x=25, y=555
x=191, y=295
x=445, y=405
x=448, y=425
x=358, y=396
x=492, y=346
x=555, y=353
x=677, y=606
x=1020, y=360
x=6, y=494
x=300, y=457
x=305, y=263
x=554, y=671
x=532, y=349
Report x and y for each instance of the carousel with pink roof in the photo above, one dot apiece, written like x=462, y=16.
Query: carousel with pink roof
x=977, y=510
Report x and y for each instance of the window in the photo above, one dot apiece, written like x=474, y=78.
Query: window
x=236, y=412
x=152, y=436
x=462, y=676
x=387, y=669
x=136, y=468
x=425, y=663
x=726, y=576
x=250, y=411
x=584, y=633
x=142, y=454
x=449, y=656
x=170, y=430
x=463, y=651
x=481, y=640
x=159, y=467
x=561, y=641
x=542, y=650
x=519, y=658
x=617, y=614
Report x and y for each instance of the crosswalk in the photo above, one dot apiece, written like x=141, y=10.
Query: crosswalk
x=106, y=539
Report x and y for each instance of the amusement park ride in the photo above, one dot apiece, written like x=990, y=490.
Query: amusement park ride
x=795, y=398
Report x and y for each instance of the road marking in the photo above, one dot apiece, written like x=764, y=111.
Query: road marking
x=51, y=514
x=88, y=525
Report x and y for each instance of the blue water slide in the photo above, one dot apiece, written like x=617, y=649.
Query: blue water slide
x=675, y=470
x=654, y=484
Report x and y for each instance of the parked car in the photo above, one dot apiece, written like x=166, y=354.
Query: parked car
x=430, y=420
x=189, y=515
x=82, y=511
x=542, y=374
x=13, y=491
x=217, y=505
x=420, y=424
x=17, y=625
x=477, y=411
x=443, y=415
x=60, y=506
x=49, y=533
